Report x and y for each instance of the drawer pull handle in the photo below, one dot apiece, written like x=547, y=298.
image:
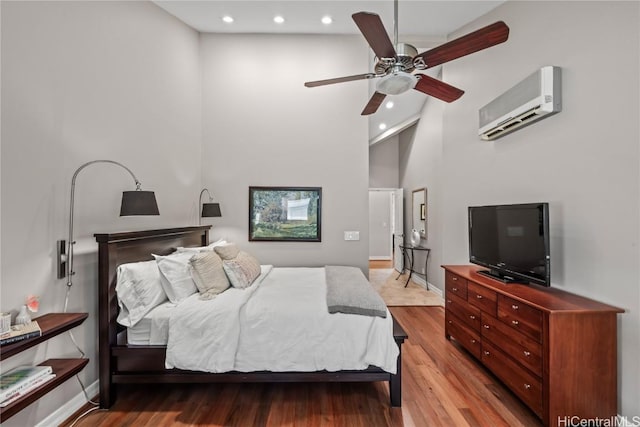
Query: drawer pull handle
x=455, y=279
x=486, y=353
x=486, y=326
x=479, y=296
x=450, y=322
x=527, y=386
x=515, y=307
x=472, y=317
x=515, y=322
x=449, y=301
x=527, y=353
x=473, y=341
x=454, y=289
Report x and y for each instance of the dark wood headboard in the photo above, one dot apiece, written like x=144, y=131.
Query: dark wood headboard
x=115, y=249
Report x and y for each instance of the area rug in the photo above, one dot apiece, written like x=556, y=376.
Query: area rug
x=394, y=293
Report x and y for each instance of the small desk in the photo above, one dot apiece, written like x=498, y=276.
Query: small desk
x=407, y=250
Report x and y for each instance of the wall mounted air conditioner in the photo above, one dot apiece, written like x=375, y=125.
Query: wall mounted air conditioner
x=536, y=97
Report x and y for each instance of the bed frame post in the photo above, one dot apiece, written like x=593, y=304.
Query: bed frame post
x=395, y=380
x=106, y=328
x=395, y=383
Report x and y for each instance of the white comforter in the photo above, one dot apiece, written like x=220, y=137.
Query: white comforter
x=280, y=323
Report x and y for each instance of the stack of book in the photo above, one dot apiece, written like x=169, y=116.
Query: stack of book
x=21, y=332
x=19, y=381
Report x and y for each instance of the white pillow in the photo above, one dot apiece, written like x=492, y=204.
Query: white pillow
x=242, y=270
x=175, y=275
x=228, y=251
x=139, y=290
x=208, y=274
x=209, y=247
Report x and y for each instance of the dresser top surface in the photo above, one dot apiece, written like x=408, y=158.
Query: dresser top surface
x=547, y=299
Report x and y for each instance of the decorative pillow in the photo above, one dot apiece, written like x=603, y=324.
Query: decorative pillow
x=228, y=251
x=242, y=270
x=139, y=290
x=208, y=274
x=175, y=275
x=202, y=248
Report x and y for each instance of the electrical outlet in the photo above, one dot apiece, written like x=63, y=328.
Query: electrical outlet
x=351, y=235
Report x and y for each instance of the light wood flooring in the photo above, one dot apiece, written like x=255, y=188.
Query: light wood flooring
x=373, y=264
x=442, y=386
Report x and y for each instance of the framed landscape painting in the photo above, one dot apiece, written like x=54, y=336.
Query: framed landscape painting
x=291, y=214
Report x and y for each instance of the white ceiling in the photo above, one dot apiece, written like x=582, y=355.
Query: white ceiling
x=420, y=22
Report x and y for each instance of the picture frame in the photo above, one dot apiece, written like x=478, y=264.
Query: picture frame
x=285, y=214
x=423, y=211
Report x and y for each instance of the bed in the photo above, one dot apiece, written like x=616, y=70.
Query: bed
x=121, y=362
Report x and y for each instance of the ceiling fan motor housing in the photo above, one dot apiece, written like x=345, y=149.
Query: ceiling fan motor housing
x=403, y=60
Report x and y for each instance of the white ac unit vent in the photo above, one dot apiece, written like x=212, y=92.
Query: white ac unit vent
x=536, y=97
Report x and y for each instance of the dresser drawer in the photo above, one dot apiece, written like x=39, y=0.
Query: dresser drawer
x=519, y=380
x=461, y=308
x=521, y=317
x=483, y=298
x=524, y=350
x=455, y=284
x=462, y=333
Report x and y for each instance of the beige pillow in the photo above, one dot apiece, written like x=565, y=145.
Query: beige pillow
x=229, y=251
x=242, y=270
x=208, y=274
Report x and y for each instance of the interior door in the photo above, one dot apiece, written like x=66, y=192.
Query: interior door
x=380, y=218
x=397, y=206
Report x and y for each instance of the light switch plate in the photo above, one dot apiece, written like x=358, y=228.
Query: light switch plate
x=351, y=235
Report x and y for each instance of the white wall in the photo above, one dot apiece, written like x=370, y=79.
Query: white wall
x=384, y=164
x=421, y=167
x=83, y=81
x=262, y=127
x=583, y=161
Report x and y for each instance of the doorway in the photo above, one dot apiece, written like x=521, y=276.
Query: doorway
x=385, y=225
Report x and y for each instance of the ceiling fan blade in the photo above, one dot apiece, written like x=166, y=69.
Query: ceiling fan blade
x=491, y=35
x=372, y=29
x=340, y=80
x=373, y=104
x=437, y=88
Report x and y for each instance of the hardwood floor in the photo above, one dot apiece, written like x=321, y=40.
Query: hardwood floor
x=442, y=386
x=380, y=264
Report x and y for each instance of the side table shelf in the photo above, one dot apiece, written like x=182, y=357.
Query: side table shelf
x=51, y=324
x=63, y=368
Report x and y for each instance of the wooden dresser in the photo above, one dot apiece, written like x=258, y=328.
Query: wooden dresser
x=555, y=350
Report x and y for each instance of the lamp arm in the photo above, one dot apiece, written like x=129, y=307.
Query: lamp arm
x=70, y=271
x=200, y=203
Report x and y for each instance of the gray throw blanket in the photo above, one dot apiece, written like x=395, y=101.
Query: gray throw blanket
x=349, y=291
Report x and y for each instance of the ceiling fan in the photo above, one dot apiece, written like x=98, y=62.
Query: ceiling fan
x=394, y=65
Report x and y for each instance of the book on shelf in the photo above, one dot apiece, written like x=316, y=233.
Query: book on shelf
x=20, y=378
x=21, y=332
x=24, y=391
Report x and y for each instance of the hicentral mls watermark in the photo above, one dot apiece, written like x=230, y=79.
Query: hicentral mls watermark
x=576, y=421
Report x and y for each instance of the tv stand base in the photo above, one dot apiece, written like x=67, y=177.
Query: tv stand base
x=501, y=277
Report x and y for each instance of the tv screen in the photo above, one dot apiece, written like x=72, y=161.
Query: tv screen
x=512, y=241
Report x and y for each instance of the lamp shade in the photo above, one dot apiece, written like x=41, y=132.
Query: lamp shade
x=139, y=202
x=211, y=210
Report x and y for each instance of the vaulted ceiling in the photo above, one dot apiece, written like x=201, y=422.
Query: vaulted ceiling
x=423, y=23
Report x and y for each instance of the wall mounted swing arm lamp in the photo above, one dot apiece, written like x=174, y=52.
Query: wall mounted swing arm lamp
x=209, y=210
x=137, y=202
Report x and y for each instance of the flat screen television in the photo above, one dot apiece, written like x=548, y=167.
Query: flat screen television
x=512, y=241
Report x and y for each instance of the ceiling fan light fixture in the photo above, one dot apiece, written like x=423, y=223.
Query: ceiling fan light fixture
x=396, y=83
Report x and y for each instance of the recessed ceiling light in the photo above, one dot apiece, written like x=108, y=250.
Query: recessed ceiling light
x=382, y=126
x=278, y=19
x=389, y=104
x=228, y=19
x=326, y=20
